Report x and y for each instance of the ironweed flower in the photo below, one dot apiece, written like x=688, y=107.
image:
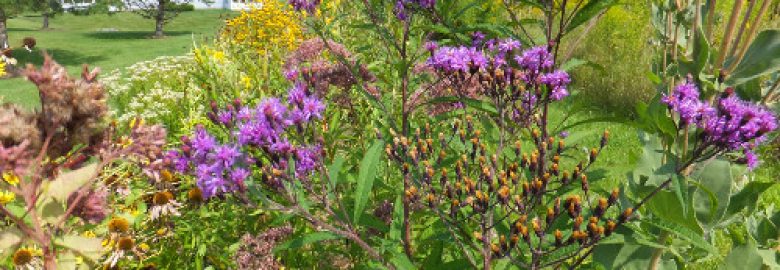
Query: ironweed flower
x=403, y=7
x=259, y=133
x=727, y=124
x=93, y=208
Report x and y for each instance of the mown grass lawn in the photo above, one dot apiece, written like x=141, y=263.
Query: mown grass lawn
x=102, y=40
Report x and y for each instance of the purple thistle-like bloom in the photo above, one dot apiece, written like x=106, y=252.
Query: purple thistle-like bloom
x=296, y=94
x=477, y=38
x=431, y=46
x=226, y=155
x=400, y=10
x=451, y=59
x=291, y=74
x=238, y=175
x=272, y=111
x=306, y=160
x=507, y=45
x=312, y=108
x=202, y=142
x=305, y=5
x=557, y=82
x=225, y=117
x=739, y=124
x=751, y=158
x=535, y=59
x=685, y=101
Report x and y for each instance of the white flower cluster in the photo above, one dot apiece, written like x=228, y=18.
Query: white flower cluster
x=154, y=90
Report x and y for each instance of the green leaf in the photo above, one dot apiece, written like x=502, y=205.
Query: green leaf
x=334, y=171
x=366, y=177
x=762, y=57
x=89, y=248
x=303, y=240
x=680, y=190
x=666, y=206
x=480, y=105
x=747, y=198
x=9, y=239
x=592, y=9
x=69, y=182
x=402, y=262
x=683, y=233
x=712, y=198
x=743, y=257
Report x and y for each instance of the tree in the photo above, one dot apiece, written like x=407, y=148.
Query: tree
x=162, y=11
x=7, y=8
x=47, y=8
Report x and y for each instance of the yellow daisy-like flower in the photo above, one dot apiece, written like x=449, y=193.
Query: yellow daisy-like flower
x=7, y=197
x=11, y=178
x=89, y=234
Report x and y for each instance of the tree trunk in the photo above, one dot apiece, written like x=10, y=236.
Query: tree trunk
x=159, y=19
x=3, y=30
x=45, y=20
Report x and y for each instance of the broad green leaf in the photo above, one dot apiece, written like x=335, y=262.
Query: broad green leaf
x=710, y=204
x=89, y=248
x=366, y=177
x=303, y=240
x=743, y=257
x=762, y=57
x=9, y=239
x=592, y=9
x=683, y=233
x=69, y=261
x=50, y=210
x=747, y=198
x=666, y=207
x=627, y=256
x=67, y=183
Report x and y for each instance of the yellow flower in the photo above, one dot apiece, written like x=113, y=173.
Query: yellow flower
x=2, y=68
x=11, y=178
x=7, y=197
x=270, y=26
x=144, y=247
x=246, y=81
x=89, y=234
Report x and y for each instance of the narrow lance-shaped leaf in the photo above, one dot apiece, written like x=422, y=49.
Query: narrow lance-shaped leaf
x=366, y=177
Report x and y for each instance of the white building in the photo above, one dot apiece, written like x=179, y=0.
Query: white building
x=199, y=4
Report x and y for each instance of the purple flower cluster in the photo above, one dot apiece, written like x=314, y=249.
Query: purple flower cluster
x=685, y=101
x=306, y=5
x=462, y=58
x=259, y=130
x=402, y=7
x=535, y=64
x=535, y=59
x=729, y=124
x=557, y=82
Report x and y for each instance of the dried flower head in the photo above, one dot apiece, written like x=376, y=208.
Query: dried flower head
x=256, y=252
x=93, y=207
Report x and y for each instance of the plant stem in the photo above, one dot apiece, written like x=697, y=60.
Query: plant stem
x=724, y=44
x=658, y=253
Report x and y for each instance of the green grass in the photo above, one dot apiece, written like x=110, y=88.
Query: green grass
x=76, y=40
